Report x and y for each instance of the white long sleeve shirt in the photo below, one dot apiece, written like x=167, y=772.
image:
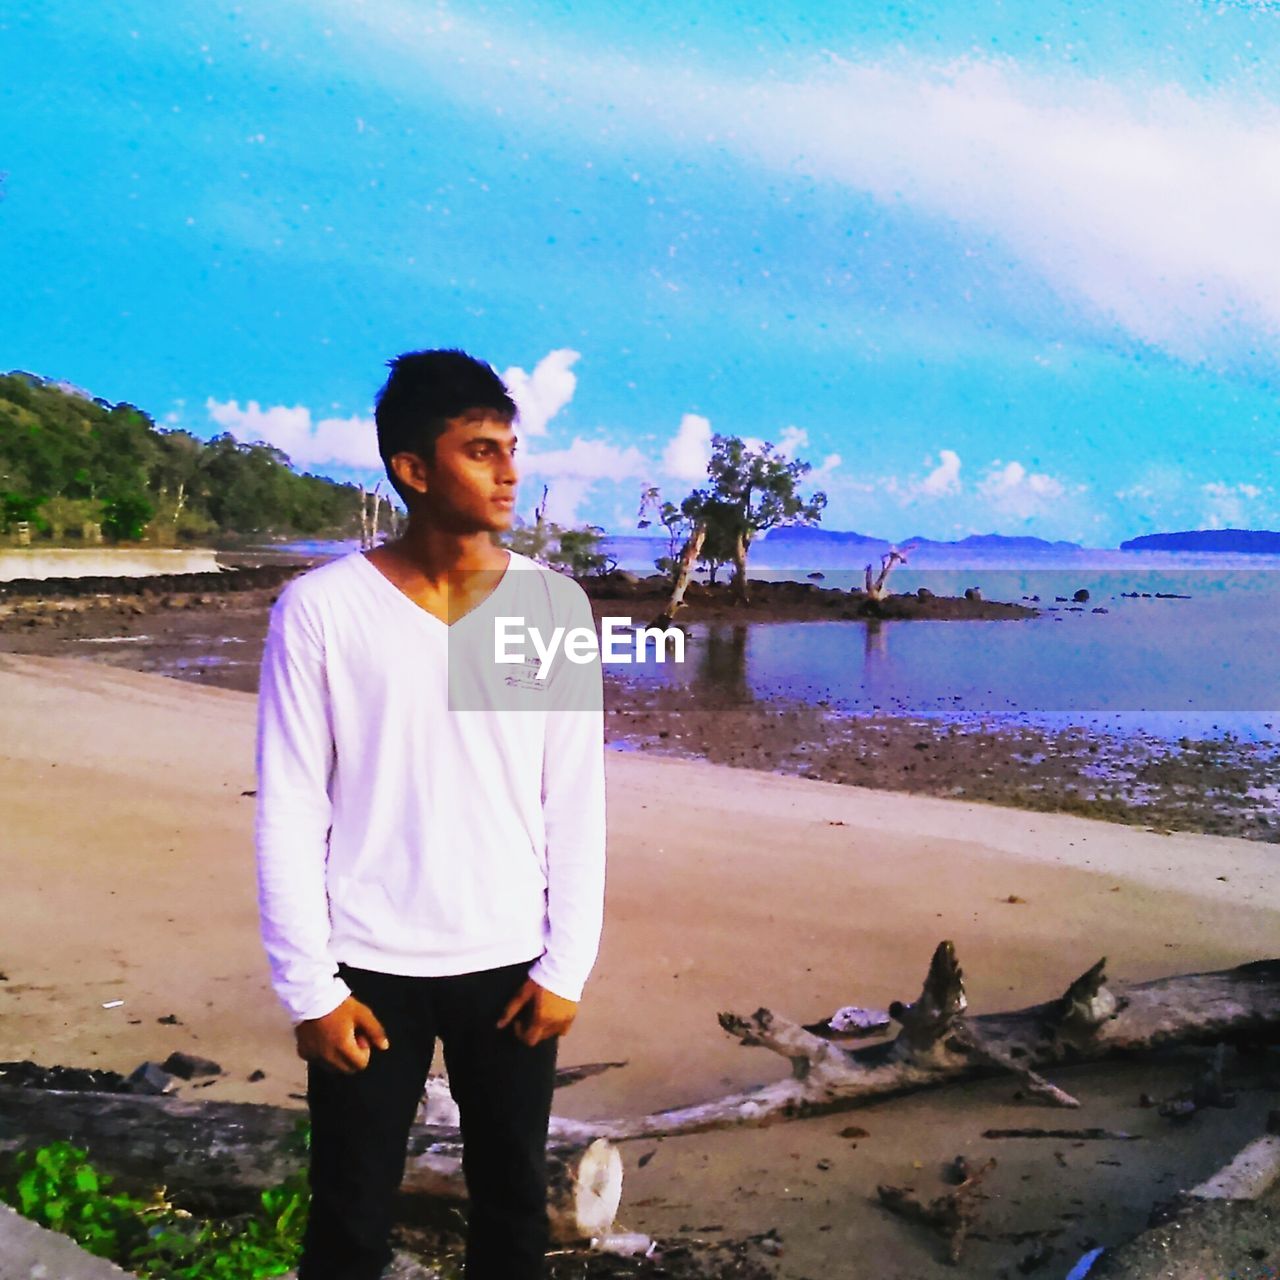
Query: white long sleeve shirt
x=423, y=809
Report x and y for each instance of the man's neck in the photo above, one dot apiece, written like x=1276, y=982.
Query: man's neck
x=436, y=553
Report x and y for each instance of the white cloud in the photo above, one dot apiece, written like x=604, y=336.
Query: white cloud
x=1153, y=206
x=337, y=442
x=791, y=439
x=571, y=473
x=945, y=477
x=940, y=481
x=1164, y=496
x=540, y=395
x=1006, y=492
x=1012, y=491
x=1229, y=506
x=827, y=466
x=689, y=450
x=587, y=460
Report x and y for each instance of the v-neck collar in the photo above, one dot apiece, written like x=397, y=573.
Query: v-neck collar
x=426, y=613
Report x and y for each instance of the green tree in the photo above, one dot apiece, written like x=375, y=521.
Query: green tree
x=126, y=452
x=752, y=490
x=580, y=551
x=58, y=446
x=677, y=523
x=61, y=513
x=720, y=520
x=125, y=517
x=17, y=508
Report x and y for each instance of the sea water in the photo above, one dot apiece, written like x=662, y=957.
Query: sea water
x=1173, y=644
x=1200, y=662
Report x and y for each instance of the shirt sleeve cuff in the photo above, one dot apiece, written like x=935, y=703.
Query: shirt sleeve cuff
x=547, y=978
x=322, y=1002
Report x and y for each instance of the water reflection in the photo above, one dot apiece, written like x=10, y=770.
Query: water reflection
x=720, y=667
x=1140, y=666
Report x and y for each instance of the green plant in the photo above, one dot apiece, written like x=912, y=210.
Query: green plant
x=250, y=1249
x=62, y=513
x=125, y=517
x=59, y=1188
x=17, y=508
x=580, y=551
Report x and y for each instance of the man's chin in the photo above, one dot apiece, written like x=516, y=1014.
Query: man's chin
x=491, y=520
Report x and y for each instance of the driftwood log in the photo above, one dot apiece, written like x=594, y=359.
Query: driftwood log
x=216, y=1152
x=938, y=1043
x=218, y=1156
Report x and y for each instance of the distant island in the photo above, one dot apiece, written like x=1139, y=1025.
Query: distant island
x=812, y=535
x=1253, y=541
x=998, y=541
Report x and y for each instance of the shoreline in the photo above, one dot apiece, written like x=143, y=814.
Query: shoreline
x=213, y=636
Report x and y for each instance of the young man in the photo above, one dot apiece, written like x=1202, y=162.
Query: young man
x=430, y=834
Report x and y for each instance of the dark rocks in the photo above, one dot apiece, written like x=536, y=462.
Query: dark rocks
x=151, y=1078
x=972, y=593
x=189, y=1065
x=226, y=580
x=1081, y=596
x=31, y=1075
x=923, y=593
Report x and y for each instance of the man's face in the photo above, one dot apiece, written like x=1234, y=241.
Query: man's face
x=470, y=485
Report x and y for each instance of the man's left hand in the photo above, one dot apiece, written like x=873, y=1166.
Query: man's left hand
x=536, y=1014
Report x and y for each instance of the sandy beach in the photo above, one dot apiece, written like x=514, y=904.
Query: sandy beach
x=127, y=862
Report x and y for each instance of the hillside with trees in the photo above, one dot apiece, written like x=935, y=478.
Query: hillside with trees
x=77, y=468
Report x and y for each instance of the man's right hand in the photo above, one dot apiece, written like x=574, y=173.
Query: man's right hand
x=342, y=1040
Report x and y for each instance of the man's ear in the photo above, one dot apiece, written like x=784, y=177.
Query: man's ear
x=411, y=471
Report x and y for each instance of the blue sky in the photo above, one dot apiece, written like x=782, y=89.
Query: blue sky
x=989, y=267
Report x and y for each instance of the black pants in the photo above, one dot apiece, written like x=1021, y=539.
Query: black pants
x=360, y=1126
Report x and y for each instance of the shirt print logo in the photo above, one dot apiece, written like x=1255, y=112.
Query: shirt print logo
x=526, y=676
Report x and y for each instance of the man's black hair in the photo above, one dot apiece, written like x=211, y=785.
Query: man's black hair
x=423, y=391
